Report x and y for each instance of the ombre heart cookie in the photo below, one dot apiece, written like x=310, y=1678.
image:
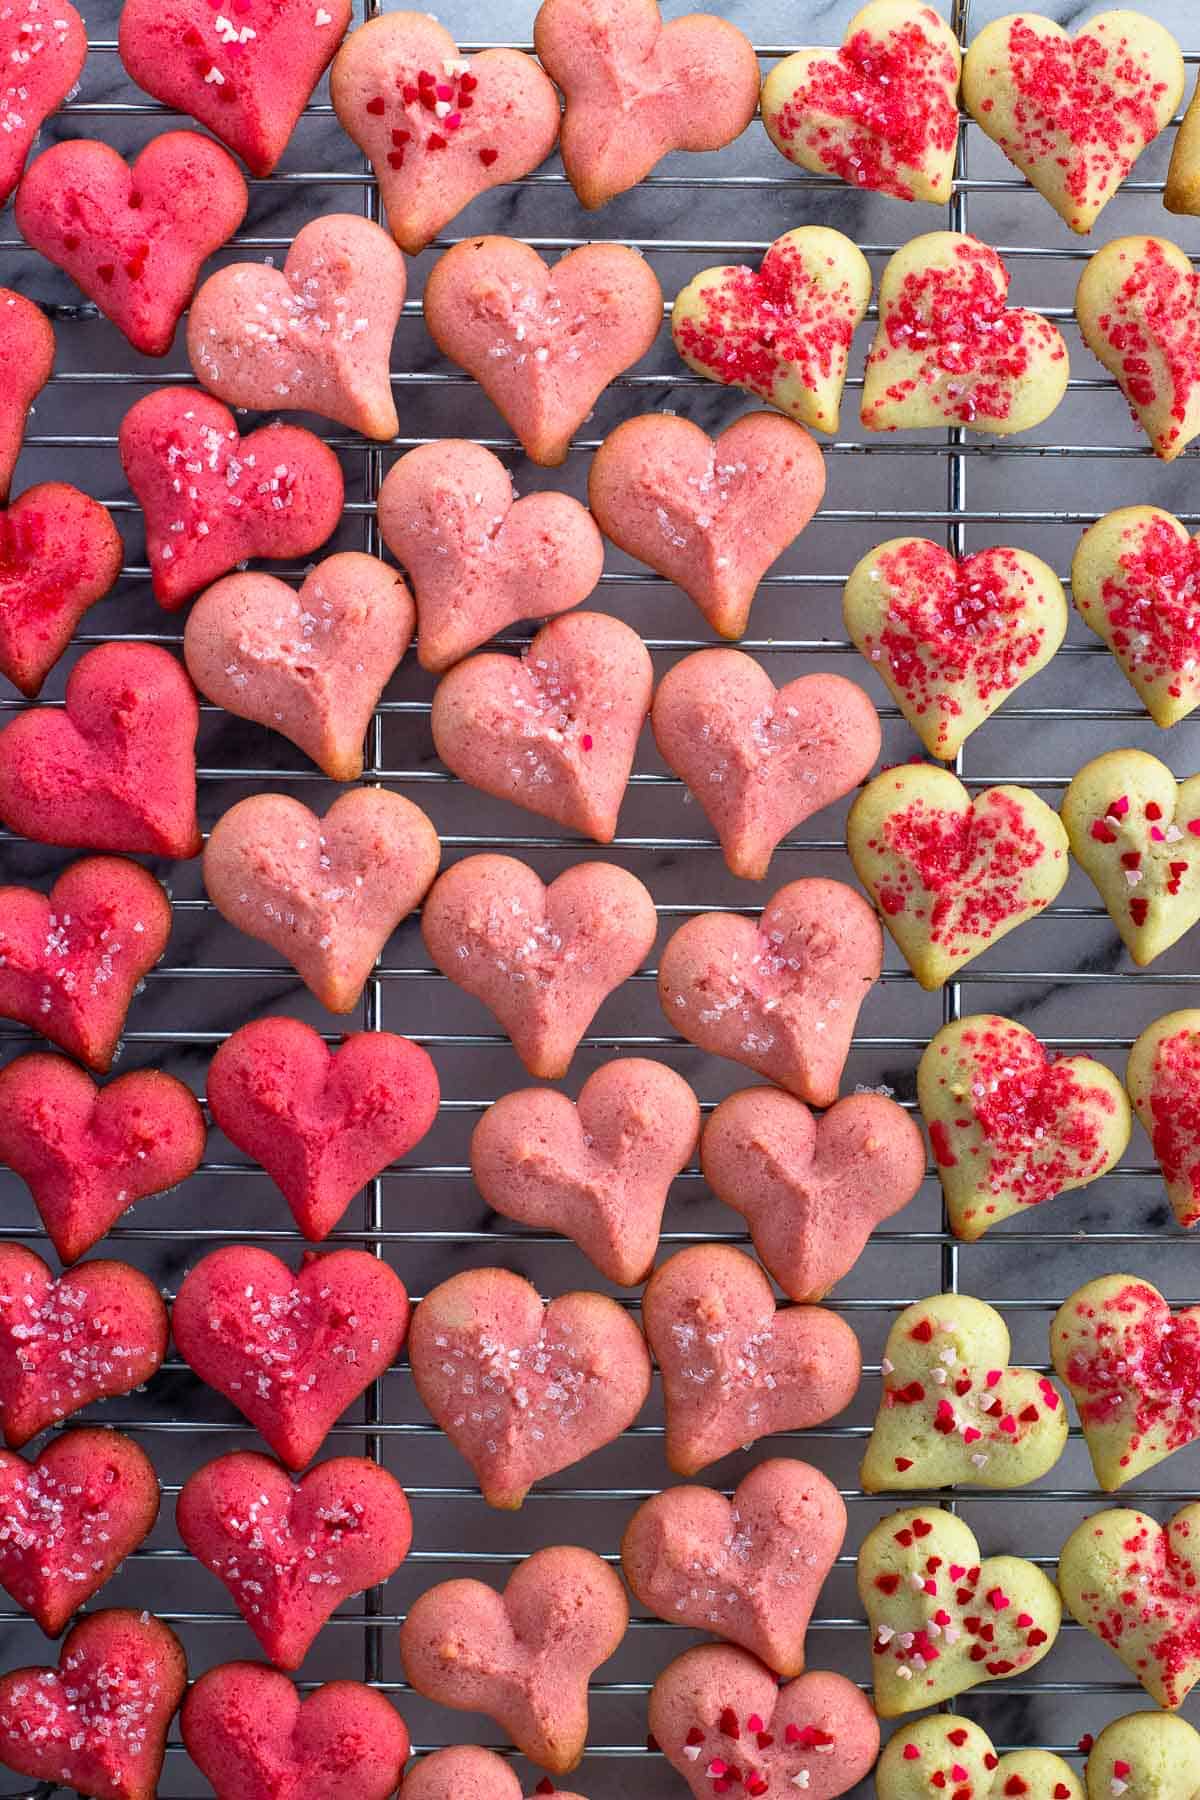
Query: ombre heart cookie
x=953, y=637
x=1136, y=1585
x=944, y=1754
x=1163, y=1079
x=1135, y=579
x=26, y=350
x=465, y=1772
x=1149, y=1753
x=59, y=553
x=44, y=54
x=1138, y=306
x=1134, y=831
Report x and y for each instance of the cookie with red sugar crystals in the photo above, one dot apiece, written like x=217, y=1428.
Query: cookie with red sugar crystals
x=880, y=112
x=711, y=514
x=557, y=731
x=211, y=498
x=26, y=360
x=59, y=553
x=465, y=1772
x=133, y=238
x=637, y=88
x=542, y=342
x=1136, y=1750
x=1135, y=1583
x=760, y=760
x=438, y=128
x=253, y=1738
x=1135, y=580
x=70, y=1518
x=98, y=1723
x=322, y=1122
x=292, y=1352
x=44, y=51
x=944, y=1752
x=1163, y=1079
x=114, y=770
x=1138, y=307
x=247, y=77
x=478, y=557
x=523, y=1656
x=95, y=1333
x=561, y=1380
x=1012, y=1126
x=1133, y=829
x=88, y=1153
x=291, y=1552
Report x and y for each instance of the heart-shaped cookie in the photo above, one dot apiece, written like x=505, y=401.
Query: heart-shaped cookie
x=478, y=558
x=1135, y=1584
x=943, y=1755
x=952, y=875
x=524, y=1390
x=1133, y=1369
x=59, y=553
x=26, y=342
x=1133, y=831
x=1135, y=579
x=92, y=1334
x=953, y=637
x=98, y=1723
x=947, y=349
x=133, y=238
x=557, y=731
x=1138, y=306
x=314, y=336
x=212, y=499
x=541, y=958
x=438, y=128
x=69, y=1518
x=523, y=1657
x=942, y=1618
x=290, y=1552
x=465, y=1772
x=1012, y=1127
x=327, y=893
x=543, y=343
x=1163, y=1078
x=44, y=57
x=881, y=112
x=760, y=759
x=749, y=1568
x=1073, y=113
x=733, y=1369
x=597, y=1169
x=811, y=1190
x=321, y=1122
x=87, y=1153
x=722, y=1720
x=952, y=1411
x=780, y=994
x=783, y=331
x=1148, y=1754
x=711, y=514
x=1181, y=193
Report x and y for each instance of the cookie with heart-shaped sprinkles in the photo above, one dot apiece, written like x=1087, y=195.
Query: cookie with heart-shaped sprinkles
x=1134, y=832
x=1136, y=1585
x=945, y=1754
x=1163, y=1079
x=1135, y=579
x=1147, y=1756
x=1138, y=307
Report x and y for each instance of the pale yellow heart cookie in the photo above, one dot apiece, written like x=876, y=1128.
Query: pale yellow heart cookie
x=944, y=1757
x=1136, y=1585
x=1135, y=833
x=1163, y=1078
x=1145, y=1756
x=1135, y=579
x=1138, y=306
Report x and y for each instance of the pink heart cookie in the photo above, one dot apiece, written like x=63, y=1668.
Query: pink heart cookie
x=541, y=959
x=212, y=498
x=290, y=1552
x=760, y=759
x=557, y=731
x=523, y=1656
x=26, y=354
x=637, y=88
x=133, y=238
x=811, y=1190
x=711, y=514
x=479, y=558
x=598, y=1169
x=465, y=1772
x=45, y=55
x=438, y=128
x=326, y=893
x=92, y=1334
x=59, y=553
x=311, y=665
x=292, y=1352
x=543, y=343
x=733, y=1369
x=780, y=995
x=314, y=336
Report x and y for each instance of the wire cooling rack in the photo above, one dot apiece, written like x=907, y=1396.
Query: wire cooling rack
x=1064, y=974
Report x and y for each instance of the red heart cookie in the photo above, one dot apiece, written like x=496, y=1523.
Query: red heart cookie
x=87, y=1153
x=321, y=1122
x=465, y=1772
x=133, y=238
x=1138, y=306
x=292, y=1352
x=542, y=343
x=70, y=1518
x=98, y=1723
x=479, y=558
x=247, y=77
x=59, y=553
x=811, y=1190
x=44, y=53
x=26, y=360
x=290, y=1552
x=438, y=128
x=92, y=1334
x=733, y=1369
x=212, y=498
x=117, y=769
x=557, y=731
x=780, y=995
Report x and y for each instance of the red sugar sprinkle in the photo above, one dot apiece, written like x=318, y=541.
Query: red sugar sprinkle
x=754, y=1723
x=1061, y=1791
x=728, y=1723
x=903, y=1462
x=585, y=741
x=911, y=1753
x=376, y=107
x=1086, y=1744
x=435, y=141
x=1120, y=1770
x=488, y=157
x=922, y=1333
